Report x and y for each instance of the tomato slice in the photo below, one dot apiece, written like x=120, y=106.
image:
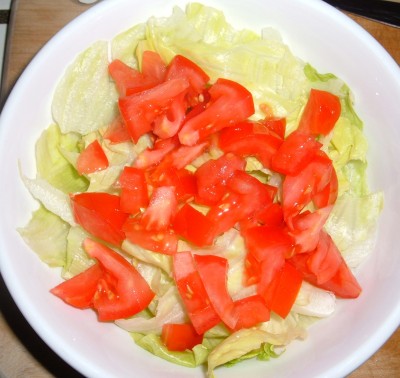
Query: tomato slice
x=117, y=132
x=134, y=192
x=230, y=103
x=126, y=293
x=181, y=67
x=282, y=292
x=275, y=124
x=161, y=210
x=192, y=291
x=153, y=68
x=92, y=159
x=140, y=109
x=193, y=226
x=213, y=271
x=180, y=337
x=212, y=177
x=100, y=214
x=320, y=113
x=164, y=241
x=297, y=150
x=79, y=290
x=251, y=311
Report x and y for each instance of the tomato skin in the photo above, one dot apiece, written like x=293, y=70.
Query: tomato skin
x=251, y=311
x=193, y=226
x=276, y=124
x=180, y=337
x=79, y=290
x=117, y=132
x=134, y=192
x=282, y=291
x=295, y=153
x=140, y=109
x=212, y=177
x=164, y=241
x=229, y=103
x=130, y=292
x=153, y=68
x=213, y=272
x=100, y=214
x=193, y=293
x=92, y=159
x=320, y=113
x=161, y=210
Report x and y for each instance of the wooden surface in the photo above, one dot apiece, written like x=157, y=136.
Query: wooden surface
x=22, y=352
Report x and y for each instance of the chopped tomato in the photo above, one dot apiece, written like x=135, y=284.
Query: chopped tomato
x=140, y=109
x=100, y=214
x=164, y=241
x=79, y=290
x=193, y=293
x=213, y=271
x=229, y=103
x=152, y=156
x=212, y=177
x=281, y=294
x=250, y=139
x=251, y=311
x=181, y=67
x=134, y=192
x=328, y=195
x=276, y=125
x=320, y=113
x=153, y=68
x=193, y=226
x=92, y=159
x=117, y=132
x=180, y=337
x=297, y=150
x=124, y=294
x=161, y=210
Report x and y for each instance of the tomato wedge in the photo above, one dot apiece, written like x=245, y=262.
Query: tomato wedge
x=229, y=103
x=92, y=159
x=134, y=192
x=100, y=214
x=124, y=294
x=180, y=337
x=213, y=271
x=192, y=291
x=251, y=311
x=320, y=113
x=79, y=290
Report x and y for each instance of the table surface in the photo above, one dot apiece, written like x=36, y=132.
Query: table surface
x=22, y=352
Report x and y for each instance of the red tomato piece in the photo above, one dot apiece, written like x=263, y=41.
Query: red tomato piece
x=297, y=150
x=276, y=124
x=140, y=109
x=328, y=195
x=117, y=132
x=230, y=103
x=213, y=271
x=269, y=215
x=164, y=241
x=127, y=79
x=153, y=67
x=153, y=156
x=100, y=214
x=193, y=293
x=251, y=311
x=79, y=290
x=252, y=270
x=134, y=192
x=282, y=292
x=128, y=293
x=181, y=67
x=212, y=177
x=193, y=226
x=92, y=159
x=161, y=210
x=180, y=337
x=320, y=113
x=298, y=190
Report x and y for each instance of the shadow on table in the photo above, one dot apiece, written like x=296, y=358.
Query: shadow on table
x=29, y=338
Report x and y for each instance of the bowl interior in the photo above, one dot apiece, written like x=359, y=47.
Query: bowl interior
x=322, y=36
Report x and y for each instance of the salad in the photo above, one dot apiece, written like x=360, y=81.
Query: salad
x=204, y=189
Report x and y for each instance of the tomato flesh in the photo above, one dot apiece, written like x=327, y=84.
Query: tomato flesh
x=92, y=159
x=180, y=337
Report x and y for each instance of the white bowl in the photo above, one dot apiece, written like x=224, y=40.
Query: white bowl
x=315, y=32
